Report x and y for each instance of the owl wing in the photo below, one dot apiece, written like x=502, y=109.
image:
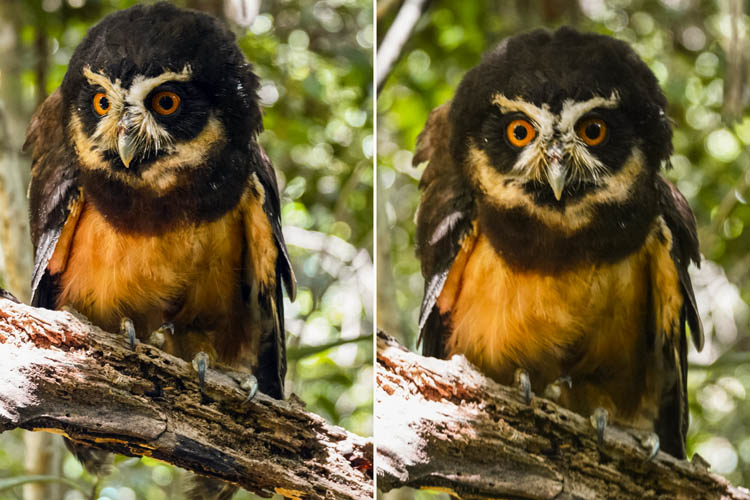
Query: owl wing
x=272, y=353
x=55, y=198
x=445, y=219
x=672, y=422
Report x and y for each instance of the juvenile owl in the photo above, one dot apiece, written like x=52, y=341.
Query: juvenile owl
x=552, y=247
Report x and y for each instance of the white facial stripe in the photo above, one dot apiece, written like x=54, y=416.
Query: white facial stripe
x=141, y=86
x=578, y=214
x=542, y=117
x=109, y=87
x=572, y=111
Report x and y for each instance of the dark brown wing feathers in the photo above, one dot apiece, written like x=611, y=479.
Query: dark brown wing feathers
x=53, y=189
x=672, y=422
x=445, y=217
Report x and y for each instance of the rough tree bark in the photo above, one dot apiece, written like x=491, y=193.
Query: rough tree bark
x=61, y=374
x=442, y=424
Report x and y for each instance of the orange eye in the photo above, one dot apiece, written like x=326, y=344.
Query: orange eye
x=165, y=102
x=592, y=131
x=101, y=104
x=520, y=133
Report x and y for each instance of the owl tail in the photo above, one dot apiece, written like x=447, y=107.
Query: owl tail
x=96, y=462
x=208, y=488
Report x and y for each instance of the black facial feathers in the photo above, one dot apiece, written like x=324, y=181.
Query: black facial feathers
x=550, y=67
x=151, y=39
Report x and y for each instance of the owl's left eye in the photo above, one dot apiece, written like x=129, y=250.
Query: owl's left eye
x=520, y=132
x=165, y=102
x=101, y=104
x=593, y=131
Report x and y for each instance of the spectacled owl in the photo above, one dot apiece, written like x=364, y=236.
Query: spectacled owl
x=153, y=207
x=551, y=245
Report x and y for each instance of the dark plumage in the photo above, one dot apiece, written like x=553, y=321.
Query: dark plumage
x=152, y=204
x=549, y=240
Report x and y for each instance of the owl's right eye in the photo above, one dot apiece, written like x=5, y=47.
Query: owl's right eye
x=101, y=104
x=520, y=133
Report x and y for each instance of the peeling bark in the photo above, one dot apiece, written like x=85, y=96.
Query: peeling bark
x=442, y=424
x=61, y=374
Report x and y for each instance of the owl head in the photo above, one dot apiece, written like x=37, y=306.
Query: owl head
x=556, y=118
x=153, y=91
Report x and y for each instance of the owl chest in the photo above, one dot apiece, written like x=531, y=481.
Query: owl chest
x=180, y=275
x=570, y=323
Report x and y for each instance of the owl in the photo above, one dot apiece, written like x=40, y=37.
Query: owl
x=554, y=252
x=153, y=208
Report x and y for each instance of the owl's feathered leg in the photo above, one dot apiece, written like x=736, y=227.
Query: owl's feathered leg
x=159, y=336
x=554, y=390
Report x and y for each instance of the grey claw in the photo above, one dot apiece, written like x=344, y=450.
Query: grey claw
x=249, y=384
x=200, y=364
x=599, y=420
x=523, y=382
x=651, y=443
x=126, y=327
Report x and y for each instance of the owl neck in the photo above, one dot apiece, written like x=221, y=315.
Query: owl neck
x=529, y=241
x=202, y=194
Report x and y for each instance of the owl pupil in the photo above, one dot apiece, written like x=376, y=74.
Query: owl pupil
x=593, y=131
x=104, y=103
x=166, y=102
x=520, y=132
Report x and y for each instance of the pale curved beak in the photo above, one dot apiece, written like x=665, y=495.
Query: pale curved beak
x=125, y=145
x=557, y=172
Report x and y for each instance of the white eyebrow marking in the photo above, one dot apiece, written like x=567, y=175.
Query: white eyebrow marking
x=572, y=110
x=542, y=117
x=141, y=85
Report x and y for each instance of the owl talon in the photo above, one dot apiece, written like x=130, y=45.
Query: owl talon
x=249, y=384
x=651, y=443
x=200, y=365
x=599, y=420
x=127, y=328
x=554, y=390
x=523, y=383
x=159, y=336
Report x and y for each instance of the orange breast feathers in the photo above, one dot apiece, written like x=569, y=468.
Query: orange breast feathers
x=189, y=276
x=589, y=322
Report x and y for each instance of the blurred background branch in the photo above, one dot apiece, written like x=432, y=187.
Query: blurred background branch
x=398, y=34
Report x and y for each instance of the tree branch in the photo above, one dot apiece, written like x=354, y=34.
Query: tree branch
x=61, y=374
x=452, y=428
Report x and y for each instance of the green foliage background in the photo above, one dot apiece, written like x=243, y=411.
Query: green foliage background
x=688, y=45
x=314, y=58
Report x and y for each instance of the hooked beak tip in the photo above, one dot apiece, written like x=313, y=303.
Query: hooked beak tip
x=556, y=177
x=125, y=148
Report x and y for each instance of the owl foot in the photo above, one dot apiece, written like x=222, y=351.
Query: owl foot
x=599, y=420
x=651, y=443
x=247, y=382
x=554, y=390
x=201, y=362
x=127, y=328
x=523, y=383
x=159, y=336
